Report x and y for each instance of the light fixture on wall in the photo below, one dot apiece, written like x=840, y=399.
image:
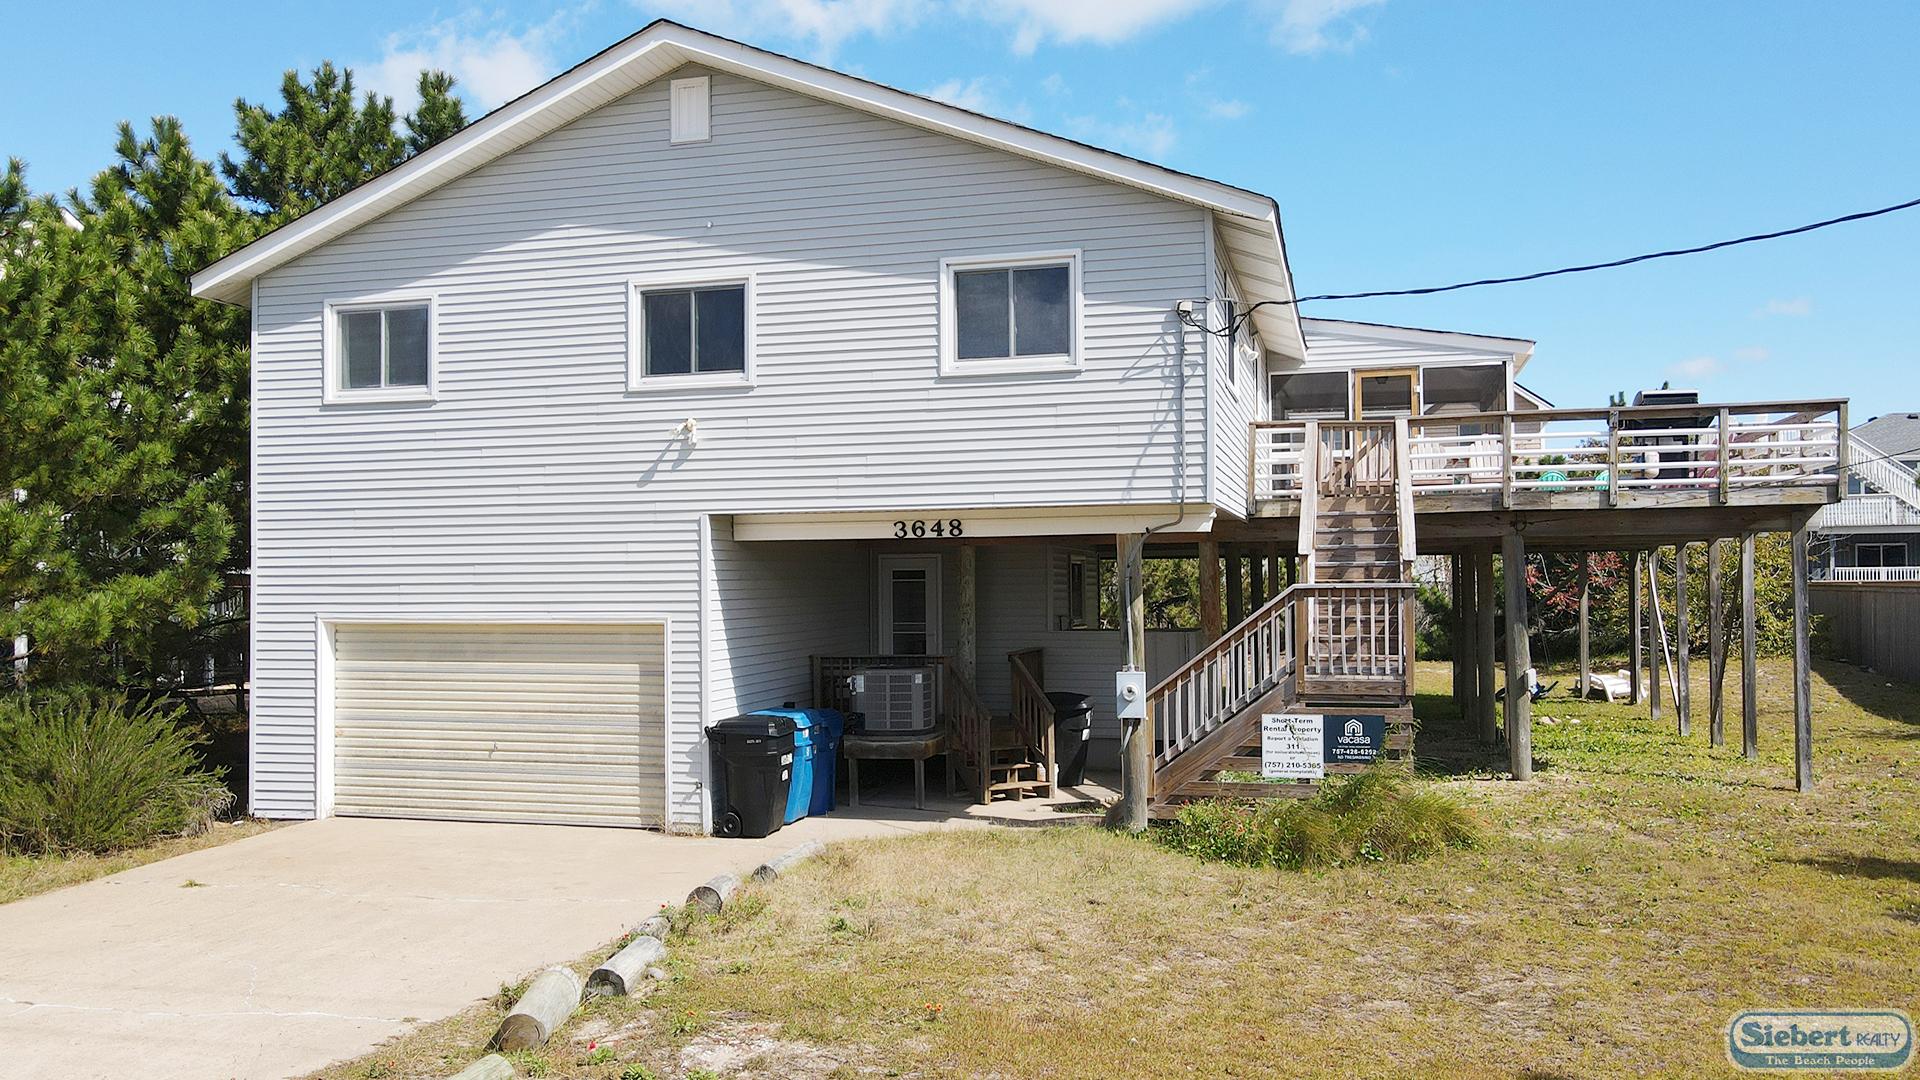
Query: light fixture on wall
x=689, y=430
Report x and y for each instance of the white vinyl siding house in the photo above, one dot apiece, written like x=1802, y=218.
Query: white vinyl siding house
x=549, y=478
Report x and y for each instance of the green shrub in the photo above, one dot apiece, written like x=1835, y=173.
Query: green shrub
x=94, y=771
x=1381, y=815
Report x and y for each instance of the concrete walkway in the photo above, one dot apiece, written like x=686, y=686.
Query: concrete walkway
x=275, y=955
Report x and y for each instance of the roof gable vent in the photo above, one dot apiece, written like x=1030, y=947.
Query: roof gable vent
x=691, y=119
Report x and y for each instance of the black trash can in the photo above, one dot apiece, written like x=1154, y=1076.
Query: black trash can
x=752, y=760
x=1072, y=732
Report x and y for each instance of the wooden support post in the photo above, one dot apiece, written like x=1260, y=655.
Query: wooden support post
x=1483, y=638
x=1465, y=652
x=1682, y=647
x=1455, y=633
x=1716, y=648
x=1274, y=587
x=1802, y=669
x=1236, y=589
x=1749, y=673
x=1256, y=579
x=1212, y=615
x=1638, y=601
x=1657, y=636
x=1513, y=556
x=965, y=653
x=1586, y=641
x=1136, y=736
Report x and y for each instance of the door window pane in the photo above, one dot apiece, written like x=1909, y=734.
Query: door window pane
x=1387, y=395
x=909, y=611
x=407, y=346
x=669, y=319
x=720, y=329
x=360, y=341
x=985, y=318
x=1042, y=311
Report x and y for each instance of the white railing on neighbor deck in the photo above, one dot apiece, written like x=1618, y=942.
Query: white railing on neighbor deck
x=1866, y=573
x=1631, y=449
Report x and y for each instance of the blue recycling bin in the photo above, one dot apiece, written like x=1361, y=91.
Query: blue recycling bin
x=816, y=746
x=829, y=727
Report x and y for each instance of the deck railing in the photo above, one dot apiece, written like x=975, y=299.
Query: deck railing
x=1355, y=632
x=1326, y=634
x=1866, y=573
x=1246, y=664
x=1628, y=450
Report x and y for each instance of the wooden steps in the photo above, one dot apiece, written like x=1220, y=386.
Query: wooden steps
x=1348, y=642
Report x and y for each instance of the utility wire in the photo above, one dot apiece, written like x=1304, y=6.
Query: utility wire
x=1233, y=324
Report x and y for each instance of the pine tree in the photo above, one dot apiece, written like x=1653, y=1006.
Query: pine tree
x=124, y=409
x=323, y=143
x=438, y=115
x=123, y=400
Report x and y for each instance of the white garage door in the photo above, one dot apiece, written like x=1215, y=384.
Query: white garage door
x=501, y=723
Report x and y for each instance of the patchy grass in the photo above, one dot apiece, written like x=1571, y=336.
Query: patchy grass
x=25, y=875
x=1381, y=815
x=1617, y=913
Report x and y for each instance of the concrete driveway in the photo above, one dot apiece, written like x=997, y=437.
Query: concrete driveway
x=317, y=941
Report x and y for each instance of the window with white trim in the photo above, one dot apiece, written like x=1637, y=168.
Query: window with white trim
x=381, y=350
x=691, y=334
x=1879, y=554
x=1010, y=314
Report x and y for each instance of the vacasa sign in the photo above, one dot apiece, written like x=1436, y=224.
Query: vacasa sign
x=1789, y=1040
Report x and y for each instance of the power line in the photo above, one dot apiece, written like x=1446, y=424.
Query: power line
x=1233, y=324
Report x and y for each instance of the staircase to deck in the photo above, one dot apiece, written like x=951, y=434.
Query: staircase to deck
x=1340, y=640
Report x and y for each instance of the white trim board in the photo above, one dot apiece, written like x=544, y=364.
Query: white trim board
x=976, y=523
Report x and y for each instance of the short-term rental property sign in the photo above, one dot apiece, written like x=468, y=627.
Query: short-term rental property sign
x=1300, y=746
x=1292, y=746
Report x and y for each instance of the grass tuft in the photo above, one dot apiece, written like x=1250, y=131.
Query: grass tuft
x=1381, y=815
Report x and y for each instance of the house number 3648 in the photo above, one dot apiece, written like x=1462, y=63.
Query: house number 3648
x=922, y=527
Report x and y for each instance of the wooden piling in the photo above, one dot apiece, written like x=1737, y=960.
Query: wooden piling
x=1236, y=588
x=1586, y=653
x=1716, y=648
x=1513, y=549
x=1657, y=636
x=1682, y=647
x=1212, y=614
x=1749, y=671
x=1637, y=601
x=1802, y=670
x=1483, y=605
x=1136, y=736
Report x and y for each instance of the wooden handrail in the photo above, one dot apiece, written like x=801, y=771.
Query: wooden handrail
x=1033, y=712
x=969, y=725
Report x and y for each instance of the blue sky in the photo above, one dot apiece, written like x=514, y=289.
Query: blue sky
x=1408, y=143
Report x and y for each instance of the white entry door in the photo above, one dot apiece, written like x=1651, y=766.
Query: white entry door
x=909, y=592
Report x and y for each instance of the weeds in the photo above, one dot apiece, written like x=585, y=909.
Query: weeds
x=1381, y=815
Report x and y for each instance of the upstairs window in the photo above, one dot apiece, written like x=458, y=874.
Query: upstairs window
x=1010, y=314
x=380, y=351
x=689, y=335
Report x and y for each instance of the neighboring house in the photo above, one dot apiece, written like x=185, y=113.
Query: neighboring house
x=700, y=377
x=1874, y=533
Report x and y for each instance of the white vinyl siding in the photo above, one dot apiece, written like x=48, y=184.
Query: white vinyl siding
x=536, y=486
x=1233, y=396
x=561, y=724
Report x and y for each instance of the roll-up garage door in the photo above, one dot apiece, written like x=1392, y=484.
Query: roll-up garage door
x=501, y=723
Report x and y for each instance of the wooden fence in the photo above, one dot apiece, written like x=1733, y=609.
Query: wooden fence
x=1873, y=623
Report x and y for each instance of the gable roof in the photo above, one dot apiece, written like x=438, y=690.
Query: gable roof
x=1895, y=433
x=1249, y=222
x=1329, y=333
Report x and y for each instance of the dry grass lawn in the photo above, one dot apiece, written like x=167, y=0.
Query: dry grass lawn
x=25, y=875
x=1623, y=908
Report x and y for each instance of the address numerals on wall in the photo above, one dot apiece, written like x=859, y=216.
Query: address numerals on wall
x=921, y=527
